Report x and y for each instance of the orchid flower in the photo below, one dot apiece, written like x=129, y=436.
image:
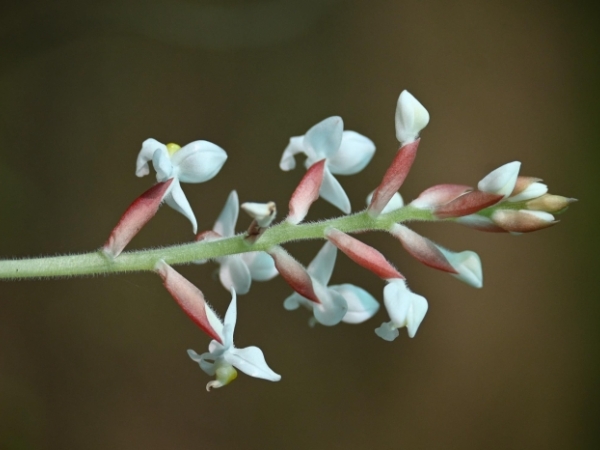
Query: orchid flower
x=223, y=358
x=361, y=305
x=239, y=270
x=345, y=153
x=405, y=308
x=196, y=162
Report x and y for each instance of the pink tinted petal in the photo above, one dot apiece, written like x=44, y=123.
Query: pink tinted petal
x=523, y=221
x=439, y=195
x=191, y=300
x=466, y=204
x=422, y=248
x=363, y=254
x=394, y=177
x=306, y=192
x=293, y=273
x=135, y=217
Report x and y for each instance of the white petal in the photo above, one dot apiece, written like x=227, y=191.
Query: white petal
x=396, y=300
x=534, y=190
x=321, y=267
x=324, y=139
x=333, y=192
x=468, y=266
x=251, y=361
x=261, y=265
x=294, y=301
x=149, y=146
x=234, y=273
x=387, y=331
x=225, y=224
x=162, y=165
x=208, y=367
x=396, y=202
x=296, y=145
x=361, y=305
x=332, y=308
x=177, y=200
x=411, y=118
x=199, y=161
x=230, y=320
x=263, y=213
x=354, y=154
x=502, y=180
x=416, y=314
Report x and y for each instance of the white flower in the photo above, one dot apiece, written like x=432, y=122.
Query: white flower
x=222, y=359
x=467, y=264
x=502, y=180
x=405, y=308
x=239, y=270
x=411, y=118
x=360, y=305
x=196, y=162
x=345, y=152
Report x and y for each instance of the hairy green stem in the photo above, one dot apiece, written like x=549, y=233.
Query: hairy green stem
x=96, y=262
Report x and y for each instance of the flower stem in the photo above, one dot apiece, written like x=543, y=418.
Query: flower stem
x=96, y=262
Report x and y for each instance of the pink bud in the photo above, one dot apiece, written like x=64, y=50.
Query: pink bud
x=293, y=273
x=306, y=192
x=466, y=204
x=422, y=248
x=439, y=195
x=135, y=217
x=522, y=221
x=190, y=298
x=363, y=254
x=394, y=177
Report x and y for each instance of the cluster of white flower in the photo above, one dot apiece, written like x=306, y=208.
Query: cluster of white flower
x=503, y=201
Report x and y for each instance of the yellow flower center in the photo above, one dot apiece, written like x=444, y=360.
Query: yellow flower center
x=172, y=148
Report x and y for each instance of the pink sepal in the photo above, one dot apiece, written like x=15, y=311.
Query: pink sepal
x=523, y=183
x=362, y=254
x=466, y=204
x=421, y=248
x=207, y=235
x=135, y=217
x=523, y=221
x=394, y=177
x=439, y=195
x=306, y=193
x=293, y=273
x=189, y=297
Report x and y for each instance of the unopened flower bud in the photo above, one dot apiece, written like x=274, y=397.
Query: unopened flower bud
x=263, y=213
x=550, y=203
x=522, y=221
x=501, y=181
x=527, y=188
x=411, y=118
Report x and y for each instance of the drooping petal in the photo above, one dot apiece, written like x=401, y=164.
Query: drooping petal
x=177, y=200
x=321, y=267
x=361, y=305
x=421, y=248
x=225, y=224
x=149, y=146
x=405, y=308
x=296, y=145
x=324, y=138
x=306, y=192
x=332, y=308
x=387, y=331
x=396, y=202
x=295, y=300
x=207, y=366
x=439, y=195
x=466, y=204
x=235, y=273
x=502, y=180
x=416, y=314
x=135, y=217
x=251, y=361
x=161, y=161
x=394, y=177
x=411, y=118
x=191, y=300
x=293, y=273
x=355, y=152
x=468, y=266
x=198, y=161
x=362, y=254
x=333, y=192
x=261, y=265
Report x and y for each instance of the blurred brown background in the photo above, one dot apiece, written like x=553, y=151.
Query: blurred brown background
x=100, y=362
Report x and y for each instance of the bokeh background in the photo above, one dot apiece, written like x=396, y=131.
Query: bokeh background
x=100, y=362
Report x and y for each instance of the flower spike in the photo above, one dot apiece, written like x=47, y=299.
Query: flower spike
x=135, y=217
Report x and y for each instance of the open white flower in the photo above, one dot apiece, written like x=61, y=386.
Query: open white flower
x=405, y=308
x=345, y=152
x=359, y=304
x=239, y=270
x=222, y=358
x=196, y=162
